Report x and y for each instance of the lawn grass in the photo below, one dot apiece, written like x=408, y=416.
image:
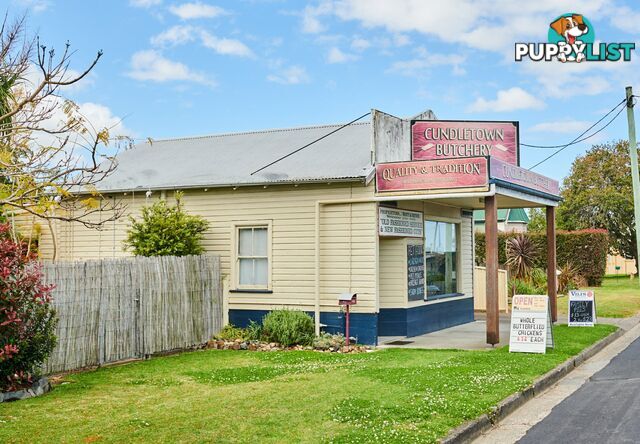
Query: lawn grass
x=618, y=297
x=393, y=395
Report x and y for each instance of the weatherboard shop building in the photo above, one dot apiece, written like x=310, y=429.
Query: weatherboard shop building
x=382, y=209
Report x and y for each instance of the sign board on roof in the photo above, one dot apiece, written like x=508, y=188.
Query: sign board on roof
x=445, y=139
x=530, y=324
x=432, y=175
x=582, y=308
x=400, y=223
x=514, y=174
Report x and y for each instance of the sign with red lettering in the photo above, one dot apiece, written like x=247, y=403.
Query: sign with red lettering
x=531, y=327
x=520, y=176
x=432, y=175
x=445, y=139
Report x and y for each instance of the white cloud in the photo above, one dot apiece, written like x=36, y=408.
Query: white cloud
x=101, y=116
x=335, y=55
x=562, y=126
x=359, y=44
x=481, y=24
x=144, y=3
x=291, y=75
x=196, y=10
x=511, y=99
x=152, y=65
x=311, y=17
x=225, y=46
x=426, y=61
x=176, y=35
x=625, y=19
x=181, y=34
x=34, y=5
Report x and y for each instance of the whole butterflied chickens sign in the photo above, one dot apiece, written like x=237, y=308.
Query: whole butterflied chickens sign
x=446, y=139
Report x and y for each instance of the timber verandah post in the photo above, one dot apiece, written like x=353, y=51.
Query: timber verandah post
x=552, y=277
x=491, y=239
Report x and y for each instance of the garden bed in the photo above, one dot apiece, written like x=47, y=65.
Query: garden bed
x=240, y=344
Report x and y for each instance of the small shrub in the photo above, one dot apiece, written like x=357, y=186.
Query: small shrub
x=569, y=279
x=231, y=333
x=327, y=341
x=27, y=318
x=288, y=327
x=538, y=280
x=520, y=286
x=166, y=230
x=254, y=331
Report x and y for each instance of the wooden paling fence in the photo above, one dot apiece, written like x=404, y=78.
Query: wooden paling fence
x=116, y=309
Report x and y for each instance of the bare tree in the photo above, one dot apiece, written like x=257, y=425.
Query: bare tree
x=51, y=157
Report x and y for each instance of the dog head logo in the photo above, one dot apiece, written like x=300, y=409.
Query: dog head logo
x=570, y=27
x=571, y=32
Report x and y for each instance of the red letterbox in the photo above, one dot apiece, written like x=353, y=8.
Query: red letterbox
x=347, y=300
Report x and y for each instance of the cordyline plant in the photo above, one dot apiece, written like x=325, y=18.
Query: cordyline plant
x=51, y=156
x=27, y=318
x=521, y=254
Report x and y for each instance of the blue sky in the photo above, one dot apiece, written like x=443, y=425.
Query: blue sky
x=176, y=68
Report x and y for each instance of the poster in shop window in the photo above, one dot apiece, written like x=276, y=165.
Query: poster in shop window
x=400, y=223
x=415, y=272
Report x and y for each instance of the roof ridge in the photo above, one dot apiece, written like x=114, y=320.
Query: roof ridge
x=242, y=133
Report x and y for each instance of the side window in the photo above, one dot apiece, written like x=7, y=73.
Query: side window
x=252, y=257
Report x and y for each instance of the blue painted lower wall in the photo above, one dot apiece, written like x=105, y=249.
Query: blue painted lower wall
x=366, y=327
x=363, y=326
x=425, y=318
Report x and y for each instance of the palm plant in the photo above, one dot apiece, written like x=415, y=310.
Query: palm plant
x=521, y=253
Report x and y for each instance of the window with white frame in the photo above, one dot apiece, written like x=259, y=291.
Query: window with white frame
x=252, y=257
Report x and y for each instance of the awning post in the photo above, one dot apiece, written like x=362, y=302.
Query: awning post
x=491, y=238
x=552, y=277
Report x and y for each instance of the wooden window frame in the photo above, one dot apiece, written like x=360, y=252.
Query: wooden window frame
x=235, y=257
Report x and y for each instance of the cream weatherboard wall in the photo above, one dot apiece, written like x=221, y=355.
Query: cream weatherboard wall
x=348, y=239
x=393, y=256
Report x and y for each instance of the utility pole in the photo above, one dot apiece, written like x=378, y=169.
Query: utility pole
x=635, y=179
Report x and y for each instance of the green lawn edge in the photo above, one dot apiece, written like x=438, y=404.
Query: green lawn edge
x=391, y=395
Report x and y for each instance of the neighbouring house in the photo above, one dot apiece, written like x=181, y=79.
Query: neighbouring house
x=382, y=209
x=510, y=220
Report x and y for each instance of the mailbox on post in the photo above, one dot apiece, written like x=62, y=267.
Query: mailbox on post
x=347, y=300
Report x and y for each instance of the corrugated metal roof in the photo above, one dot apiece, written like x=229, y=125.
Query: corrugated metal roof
x=229, y=159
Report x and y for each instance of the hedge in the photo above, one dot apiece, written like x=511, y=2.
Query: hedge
x=585, y=249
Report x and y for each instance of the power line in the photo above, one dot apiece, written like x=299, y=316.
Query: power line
x=563, y=147
x=310, y=143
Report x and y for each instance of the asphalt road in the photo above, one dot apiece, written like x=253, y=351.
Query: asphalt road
x=606, y=409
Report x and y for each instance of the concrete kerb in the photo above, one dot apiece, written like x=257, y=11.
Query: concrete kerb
x=474, y=428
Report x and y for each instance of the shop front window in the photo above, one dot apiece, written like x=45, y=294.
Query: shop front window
x=441, y=249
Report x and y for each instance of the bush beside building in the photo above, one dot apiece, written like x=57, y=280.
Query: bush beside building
x=586, y=250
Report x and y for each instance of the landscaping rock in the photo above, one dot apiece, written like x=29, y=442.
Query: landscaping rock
x=38, y=388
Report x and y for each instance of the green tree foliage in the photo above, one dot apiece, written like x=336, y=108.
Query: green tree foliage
x=166, y=230
x=598, y=194
x=537, y=220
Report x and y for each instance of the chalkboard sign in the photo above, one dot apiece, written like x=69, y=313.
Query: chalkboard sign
x=415, y=272
x=582, y=308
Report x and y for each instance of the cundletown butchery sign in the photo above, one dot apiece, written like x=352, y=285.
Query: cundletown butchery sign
x=446, y=139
